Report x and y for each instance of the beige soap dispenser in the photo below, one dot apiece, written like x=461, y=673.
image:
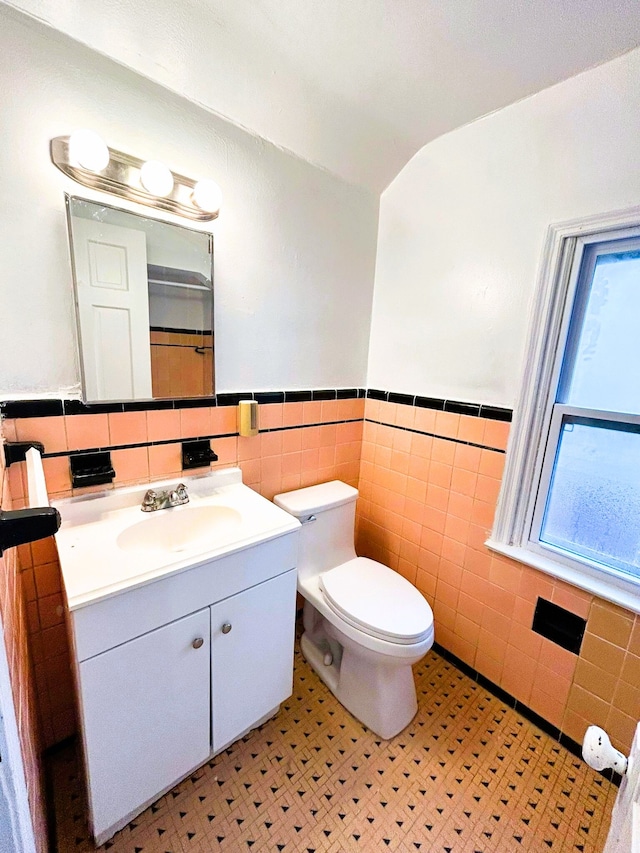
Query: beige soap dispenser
x=248, y=417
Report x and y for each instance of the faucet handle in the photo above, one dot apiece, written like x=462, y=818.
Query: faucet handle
x=149, y=500
x=179, y=495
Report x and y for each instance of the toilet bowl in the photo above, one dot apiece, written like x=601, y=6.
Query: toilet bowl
x=364, y=624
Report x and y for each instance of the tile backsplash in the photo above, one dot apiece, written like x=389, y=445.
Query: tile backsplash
x=429, y=482
x=429, y=474
x=300, y=443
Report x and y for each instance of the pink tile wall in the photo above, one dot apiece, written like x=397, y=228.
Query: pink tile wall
x=271, y=462
x=427, y=499
x=426, y=508
x=14, y=621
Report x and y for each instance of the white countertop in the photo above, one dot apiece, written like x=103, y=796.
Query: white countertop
x=95, y=567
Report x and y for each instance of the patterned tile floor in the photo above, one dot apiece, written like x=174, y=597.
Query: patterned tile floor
x=469, y=775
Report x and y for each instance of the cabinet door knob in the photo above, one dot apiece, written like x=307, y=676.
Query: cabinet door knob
x=197, y=643
x=226, y=627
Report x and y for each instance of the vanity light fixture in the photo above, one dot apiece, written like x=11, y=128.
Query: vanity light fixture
x=207, y=195
x=88, y=150
x=156, y=178
x=84, y=157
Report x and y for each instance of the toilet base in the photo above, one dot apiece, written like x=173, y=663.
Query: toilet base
x=380, y=693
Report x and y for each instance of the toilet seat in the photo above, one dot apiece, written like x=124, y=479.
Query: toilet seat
x=378, y=601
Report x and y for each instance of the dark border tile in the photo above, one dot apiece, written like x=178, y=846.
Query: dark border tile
x=297, y=396
x=194, y=402
x=496, y=690
x=147, y=405
x=495, y=413
x=540, y=722
x=31, y=408
x=77, y=407
x=403, y=399
x=233, y=399
x=457, y=408
x=429, y=403
x=572, y=745
x=456, y=661
x=48, y=407
x=269, y=396
x=375, y=394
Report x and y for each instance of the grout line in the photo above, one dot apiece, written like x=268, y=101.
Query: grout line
x=306, y=426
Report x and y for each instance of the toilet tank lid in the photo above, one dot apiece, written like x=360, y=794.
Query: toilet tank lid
x=303, y=502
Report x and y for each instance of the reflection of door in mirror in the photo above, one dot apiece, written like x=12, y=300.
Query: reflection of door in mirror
x=113, y=308
x=145, y=305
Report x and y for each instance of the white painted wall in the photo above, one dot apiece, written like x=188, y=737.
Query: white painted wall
x=359, y=86
x=294, y=245
x=463, y=225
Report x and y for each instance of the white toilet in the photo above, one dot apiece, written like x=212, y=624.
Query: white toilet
x=364, y=624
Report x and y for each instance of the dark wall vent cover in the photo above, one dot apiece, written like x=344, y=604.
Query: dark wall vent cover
x=559, y=625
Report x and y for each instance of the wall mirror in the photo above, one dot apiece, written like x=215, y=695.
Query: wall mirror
x=144, y=304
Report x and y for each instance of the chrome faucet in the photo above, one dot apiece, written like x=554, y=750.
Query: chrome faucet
x=163, y=500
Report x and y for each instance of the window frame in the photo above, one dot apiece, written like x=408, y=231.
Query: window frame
x=549, y=324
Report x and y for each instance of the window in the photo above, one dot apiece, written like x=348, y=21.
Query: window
x=570, y=501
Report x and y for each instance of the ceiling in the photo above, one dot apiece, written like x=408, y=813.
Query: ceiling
x=354, y=86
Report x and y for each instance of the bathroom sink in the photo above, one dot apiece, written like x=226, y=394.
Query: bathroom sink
x=179, y=529
x=107, y=545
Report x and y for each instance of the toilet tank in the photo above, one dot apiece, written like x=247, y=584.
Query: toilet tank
x=328, y=540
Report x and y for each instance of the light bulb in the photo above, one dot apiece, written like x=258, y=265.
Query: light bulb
x=156, y=178
x=88, y=150
x=207, y=195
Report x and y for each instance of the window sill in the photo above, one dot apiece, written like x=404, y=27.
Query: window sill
x=624, y=593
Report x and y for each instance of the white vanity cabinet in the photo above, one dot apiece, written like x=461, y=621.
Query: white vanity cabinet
x=145, y=716
x=251, y=656
x=172, y=671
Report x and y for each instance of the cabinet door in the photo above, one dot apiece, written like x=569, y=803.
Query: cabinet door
x=146, y=717
x=252, y=660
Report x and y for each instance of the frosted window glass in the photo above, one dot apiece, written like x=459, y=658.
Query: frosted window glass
x=605, y=372
x=593, y=508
